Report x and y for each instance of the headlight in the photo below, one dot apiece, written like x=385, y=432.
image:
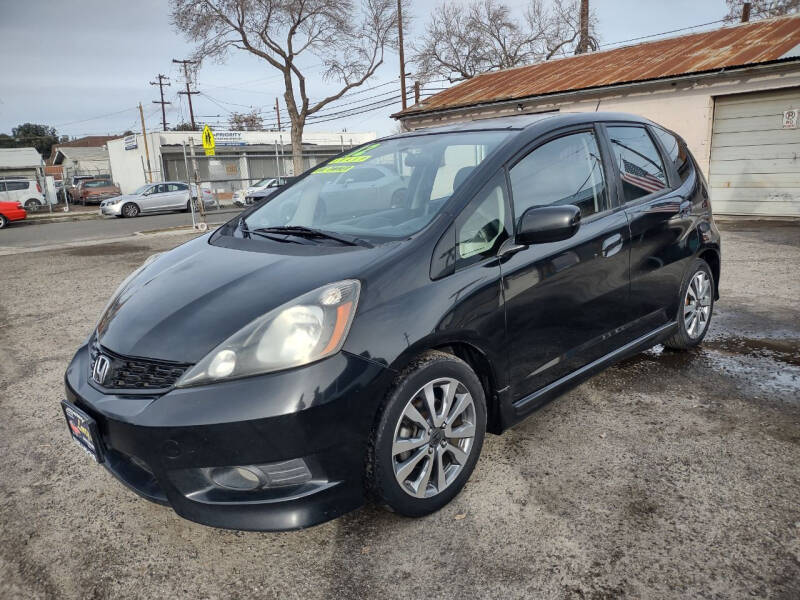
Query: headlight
x=304, y=330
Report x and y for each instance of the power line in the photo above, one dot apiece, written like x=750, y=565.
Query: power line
x=644, y=37
x=97, y=117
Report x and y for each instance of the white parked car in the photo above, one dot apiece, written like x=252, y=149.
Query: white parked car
x=155, y=197
x=25, y=191
x=240, y=197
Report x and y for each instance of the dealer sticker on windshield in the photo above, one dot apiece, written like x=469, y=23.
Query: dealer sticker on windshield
x=344, y=163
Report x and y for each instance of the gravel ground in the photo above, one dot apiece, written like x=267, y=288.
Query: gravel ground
x=668, y=475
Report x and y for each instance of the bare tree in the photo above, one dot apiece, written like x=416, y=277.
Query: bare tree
x=459, y=43
x=250, y=121
x=348, y=39
x=761, y=9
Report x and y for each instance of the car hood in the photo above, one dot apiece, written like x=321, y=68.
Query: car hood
x=189, y=300
x=122, y=197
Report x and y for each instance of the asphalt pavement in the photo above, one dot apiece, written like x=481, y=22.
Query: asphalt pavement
x=669, y=475
x=47, y=234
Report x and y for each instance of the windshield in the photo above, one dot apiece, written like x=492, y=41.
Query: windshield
x=262, y=182
x=141, y=190
x=387, y=189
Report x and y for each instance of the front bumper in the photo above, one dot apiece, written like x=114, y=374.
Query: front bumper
x=111, y=209
x=321, y=413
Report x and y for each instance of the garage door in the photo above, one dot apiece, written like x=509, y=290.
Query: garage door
x=755, y=161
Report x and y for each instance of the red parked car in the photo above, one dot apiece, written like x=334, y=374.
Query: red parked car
x=11, y=211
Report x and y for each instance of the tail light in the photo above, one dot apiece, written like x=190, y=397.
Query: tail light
x=38, y=188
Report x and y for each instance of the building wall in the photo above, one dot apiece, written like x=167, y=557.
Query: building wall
x=126, y=165
x=685, y=106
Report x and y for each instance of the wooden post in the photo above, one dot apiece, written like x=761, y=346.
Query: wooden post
x=278, y=113
x=416, y=92
x=745, y=12
x=146, y=149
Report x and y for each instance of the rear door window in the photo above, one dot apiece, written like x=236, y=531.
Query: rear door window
x=676, y=152
x=641, y=170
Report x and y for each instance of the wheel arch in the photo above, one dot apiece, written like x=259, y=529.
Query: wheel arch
x=712, y=257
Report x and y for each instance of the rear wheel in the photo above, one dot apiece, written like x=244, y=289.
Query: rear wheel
x=429, y=435
x=189, y=204
x=3, y=221
x=697, y=305
x=130, y=210
x=32, y=205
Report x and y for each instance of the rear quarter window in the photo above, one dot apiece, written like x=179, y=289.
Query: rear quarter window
x=676, y=151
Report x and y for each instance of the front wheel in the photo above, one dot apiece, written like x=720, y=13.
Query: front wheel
x=130, y=210
x=428, y=436
x=3, y=222
x=697, y=305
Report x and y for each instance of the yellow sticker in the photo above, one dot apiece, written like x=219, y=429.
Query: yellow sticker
x=334, y=169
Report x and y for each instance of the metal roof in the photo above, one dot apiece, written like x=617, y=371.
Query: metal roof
x=727, y=48
x=79, y=153
x=19, y=158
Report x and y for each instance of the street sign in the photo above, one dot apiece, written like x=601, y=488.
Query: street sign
x=208, y=141
x=790, y=118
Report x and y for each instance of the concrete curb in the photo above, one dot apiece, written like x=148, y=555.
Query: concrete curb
x=96, y=216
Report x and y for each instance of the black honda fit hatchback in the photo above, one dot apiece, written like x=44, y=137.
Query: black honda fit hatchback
x=357, y=335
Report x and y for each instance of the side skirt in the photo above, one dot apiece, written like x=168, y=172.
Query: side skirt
x=529, y=403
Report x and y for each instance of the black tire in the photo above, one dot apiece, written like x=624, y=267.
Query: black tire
x=32, y=205
x=130, y=210
x=682, y=339
x=3, y=222
x=382, y=483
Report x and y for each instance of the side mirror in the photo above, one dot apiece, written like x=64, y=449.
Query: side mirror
x=540, y=225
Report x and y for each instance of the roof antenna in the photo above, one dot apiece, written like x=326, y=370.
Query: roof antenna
x=598, y=105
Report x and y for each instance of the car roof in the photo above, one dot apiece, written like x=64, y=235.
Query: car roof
x=520, y=122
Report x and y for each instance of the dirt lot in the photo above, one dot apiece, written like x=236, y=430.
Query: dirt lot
x=669, y=475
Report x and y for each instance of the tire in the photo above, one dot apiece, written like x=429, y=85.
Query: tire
x=696, y=307
x=3, y=222
x=440, y=457
x=32, y=205
x=189, y=205
x=130, y=210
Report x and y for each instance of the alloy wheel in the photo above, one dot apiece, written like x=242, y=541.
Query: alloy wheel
x=130, y=210
x=434, y=437
x=697, y=305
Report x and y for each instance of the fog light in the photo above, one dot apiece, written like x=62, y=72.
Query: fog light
x=252, y=477
x=236, y=478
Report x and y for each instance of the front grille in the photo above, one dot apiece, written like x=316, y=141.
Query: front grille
x=133, y=373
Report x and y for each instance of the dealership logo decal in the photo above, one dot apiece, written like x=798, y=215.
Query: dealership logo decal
x=100, y=370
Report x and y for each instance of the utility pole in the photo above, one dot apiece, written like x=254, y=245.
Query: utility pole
x=402, y=57
x=189, y=92
x=146, y=149
x=745, y=12
x=160, y=83
x=583, y=41
x=278, y=113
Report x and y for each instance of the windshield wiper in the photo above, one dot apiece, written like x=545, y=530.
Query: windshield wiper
x=247, y=233
x=308, y=232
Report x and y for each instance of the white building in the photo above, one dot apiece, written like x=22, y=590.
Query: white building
x=21, y=162
x=240, y=156
x=732, y=93
x=78, y=160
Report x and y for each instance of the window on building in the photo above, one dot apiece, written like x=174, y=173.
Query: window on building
x=638, y=161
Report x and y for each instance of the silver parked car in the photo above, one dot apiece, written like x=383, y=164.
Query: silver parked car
x=155, y=197
x=366, y=183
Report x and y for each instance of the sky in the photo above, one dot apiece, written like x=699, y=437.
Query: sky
x=83, y=66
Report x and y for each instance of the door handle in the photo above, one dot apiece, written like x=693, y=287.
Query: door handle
x=612, y=245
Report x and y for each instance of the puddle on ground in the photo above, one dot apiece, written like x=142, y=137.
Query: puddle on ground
x=768, y=365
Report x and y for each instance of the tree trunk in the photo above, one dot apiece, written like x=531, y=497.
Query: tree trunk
x=297, y=146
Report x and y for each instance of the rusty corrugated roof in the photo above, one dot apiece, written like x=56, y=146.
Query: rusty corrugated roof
x=729, y=47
